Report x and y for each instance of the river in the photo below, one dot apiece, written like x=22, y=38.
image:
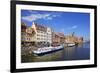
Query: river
x=80, y=52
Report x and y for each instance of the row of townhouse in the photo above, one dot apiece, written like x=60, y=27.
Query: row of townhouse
x=40, y=34
x=36, y=34
x=57, y=38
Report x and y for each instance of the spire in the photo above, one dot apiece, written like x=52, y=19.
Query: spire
x=73, y=33
x=33, y=23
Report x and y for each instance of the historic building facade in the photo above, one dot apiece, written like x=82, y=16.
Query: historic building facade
x=57, y=38
x=43, y=34
x=27, y=34
x=73, y=39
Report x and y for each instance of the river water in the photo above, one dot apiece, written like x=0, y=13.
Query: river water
x=80, y=52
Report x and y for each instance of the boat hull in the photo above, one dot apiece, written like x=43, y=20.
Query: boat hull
x=47, y=52
x=69, y=44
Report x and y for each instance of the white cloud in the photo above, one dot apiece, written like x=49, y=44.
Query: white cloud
x=54, y=15
x=62, y=30
x=49, y=18
x=73, y=27
x=34, y=17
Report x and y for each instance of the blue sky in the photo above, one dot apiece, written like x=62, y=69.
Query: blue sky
x=66, y=22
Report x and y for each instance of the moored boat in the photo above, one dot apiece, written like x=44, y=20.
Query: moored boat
x=46, y=50
x=70, y=44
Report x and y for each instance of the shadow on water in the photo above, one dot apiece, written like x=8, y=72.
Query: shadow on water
x=79, y=52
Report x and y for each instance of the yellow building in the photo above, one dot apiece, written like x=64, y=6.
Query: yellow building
x=27, y=34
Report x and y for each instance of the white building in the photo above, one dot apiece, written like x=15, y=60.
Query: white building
x=43, y=34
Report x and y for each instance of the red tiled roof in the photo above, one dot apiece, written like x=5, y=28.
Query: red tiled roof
x=41, y=27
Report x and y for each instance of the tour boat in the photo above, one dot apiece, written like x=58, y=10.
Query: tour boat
x=46, y=50
x=70, y=44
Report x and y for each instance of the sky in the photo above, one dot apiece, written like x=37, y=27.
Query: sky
x=65, y=22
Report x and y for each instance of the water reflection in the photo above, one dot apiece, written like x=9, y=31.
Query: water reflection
x=79, y=52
